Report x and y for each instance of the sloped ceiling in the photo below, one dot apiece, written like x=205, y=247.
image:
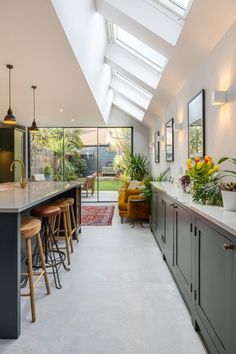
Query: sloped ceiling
x=206, y=24
x=32, y=39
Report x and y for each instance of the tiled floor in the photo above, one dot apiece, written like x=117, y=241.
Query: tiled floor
x=118, y=298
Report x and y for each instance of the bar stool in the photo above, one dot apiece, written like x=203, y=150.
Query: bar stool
x=62, y=227
x=74, y=225
x=31, y=228
x=54, y=257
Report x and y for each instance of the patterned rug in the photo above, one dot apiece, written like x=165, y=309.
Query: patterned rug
x=97, y=215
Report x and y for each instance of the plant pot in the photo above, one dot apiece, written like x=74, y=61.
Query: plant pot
x=229, y=200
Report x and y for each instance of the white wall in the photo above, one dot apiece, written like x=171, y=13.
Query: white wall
x=218, y=72
x=140, y=132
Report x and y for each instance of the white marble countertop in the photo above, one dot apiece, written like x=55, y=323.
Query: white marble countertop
x=223, y=218
x=15, y=199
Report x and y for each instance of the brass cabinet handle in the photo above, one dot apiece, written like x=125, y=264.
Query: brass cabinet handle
x=227, y=247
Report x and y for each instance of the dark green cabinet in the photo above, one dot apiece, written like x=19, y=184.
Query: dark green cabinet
x=168, y=240
x=183, y=251
x=154, y=212
x=160, y=237
x=12, y=147
x=214, y=285
x=202, y=259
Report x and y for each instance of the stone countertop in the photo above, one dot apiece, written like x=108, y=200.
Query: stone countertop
x=14, y=199
x=217, y=215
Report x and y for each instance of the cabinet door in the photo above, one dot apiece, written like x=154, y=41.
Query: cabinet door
x=161, y=222
x=154, y=212
x=169, y=232
x=214, y=285
x=183, y=246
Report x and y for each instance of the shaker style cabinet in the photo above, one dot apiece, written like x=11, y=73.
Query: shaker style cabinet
x=202, y=259
x=183, y=251
x=214, y=285
x=12, y=147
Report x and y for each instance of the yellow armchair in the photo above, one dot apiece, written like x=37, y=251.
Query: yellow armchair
x=127, y=209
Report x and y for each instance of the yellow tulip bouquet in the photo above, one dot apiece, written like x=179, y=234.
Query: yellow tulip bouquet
x=204, y=178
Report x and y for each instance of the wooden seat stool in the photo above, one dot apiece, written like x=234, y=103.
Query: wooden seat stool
x=62, y=227
x=74, y=225
x=31, y=228
x=54, y=257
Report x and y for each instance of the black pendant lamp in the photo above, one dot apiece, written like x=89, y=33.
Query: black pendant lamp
x=34, y=128
x=9, y=119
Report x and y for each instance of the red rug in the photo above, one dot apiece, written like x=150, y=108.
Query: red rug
x=97, y=215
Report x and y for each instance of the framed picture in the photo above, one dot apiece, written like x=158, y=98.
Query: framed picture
x=196, y=125
x=157, y=147
x=169, y=140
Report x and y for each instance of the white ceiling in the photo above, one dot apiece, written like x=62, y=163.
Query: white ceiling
x=32, y=39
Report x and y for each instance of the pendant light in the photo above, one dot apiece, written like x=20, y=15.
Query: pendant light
x=34, y=128
x=9, y=119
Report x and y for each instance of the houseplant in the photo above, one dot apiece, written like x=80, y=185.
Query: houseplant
x=228, y=190
x=204, y=178
x=136, y=166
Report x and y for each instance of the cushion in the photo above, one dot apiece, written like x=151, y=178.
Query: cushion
x=129, y=192
x=134, y=184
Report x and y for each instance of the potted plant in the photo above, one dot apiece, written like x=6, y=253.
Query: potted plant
x=203, y=175
x=48, y=172
x=228, y=190
x=136, y=166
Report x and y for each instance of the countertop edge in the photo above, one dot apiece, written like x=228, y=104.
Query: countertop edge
x=39, y=201
x=201, y=212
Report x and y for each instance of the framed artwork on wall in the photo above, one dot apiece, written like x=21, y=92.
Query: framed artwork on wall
x=196, y=125
x=169, y=140
x=157, y=147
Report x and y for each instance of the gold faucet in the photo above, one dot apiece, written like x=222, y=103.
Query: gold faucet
x=23, y=180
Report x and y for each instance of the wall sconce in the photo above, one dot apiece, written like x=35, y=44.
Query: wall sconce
x=218, y=98
x=178, y=127
x=162, y=137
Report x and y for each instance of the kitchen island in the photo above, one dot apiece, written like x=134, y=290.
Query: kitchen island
x=15, y=203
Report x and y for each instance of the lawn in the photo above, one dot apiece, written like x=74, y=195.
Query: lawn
x=110, y=185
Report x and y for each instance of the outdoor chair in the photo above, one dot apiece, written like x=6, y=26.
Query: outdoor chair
x=89, y=185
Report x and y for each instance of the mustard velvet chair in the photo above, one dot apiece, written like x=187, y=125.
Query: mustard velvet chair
x=128, y=209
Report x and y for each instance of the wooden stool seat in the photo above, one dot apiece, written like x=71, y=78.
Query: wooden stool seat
x=31, y=228
x=46, y=211
x=71, y=202
x=63, y=229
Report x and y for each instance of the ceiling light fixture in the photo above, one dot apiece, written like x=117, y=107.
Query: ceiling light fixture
x=9, y=118
x=218, y=98
x=34, y=128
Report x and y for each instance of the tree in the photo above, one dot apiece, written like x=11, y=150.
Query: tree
x=64, y=143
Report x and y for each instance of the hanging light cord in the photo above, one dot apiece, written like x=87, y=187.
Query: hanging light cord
x=9, y=87
x=34, y=88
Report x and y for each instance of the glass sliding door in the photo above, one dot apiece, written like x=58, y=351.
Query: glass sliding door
x=88, y=154
x=113, y=145
x=93, y=156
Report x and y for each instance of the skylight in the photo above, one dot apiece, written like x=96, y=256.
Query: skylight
x=133, y=85
x=179, y=7
x=139, y=49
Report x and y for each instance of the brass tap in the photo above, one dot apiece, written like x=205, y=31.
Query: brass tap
x=23, y=180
